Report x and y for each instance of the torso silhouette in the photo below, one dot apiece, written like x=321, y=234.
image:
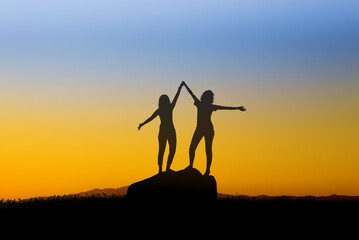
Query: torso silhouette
x=204, y=113
x=166, y=119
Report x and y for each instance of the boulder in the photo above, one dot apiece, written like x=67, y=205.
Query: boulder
x=187, y=184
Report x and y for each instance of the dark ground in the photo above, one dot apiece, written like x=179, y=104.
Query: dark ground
x=114, y=216
x=289, y=207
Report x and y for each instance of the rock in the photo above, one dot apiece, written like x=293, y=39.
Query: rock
x=187, y=184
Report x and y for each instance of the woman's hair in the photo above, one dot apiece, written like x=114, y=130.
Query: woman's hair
x=164, y=101
x=207, y=97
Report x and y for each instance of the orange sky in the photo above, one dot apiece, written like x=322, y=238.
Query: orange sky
x=293, y=140
x=77, y=77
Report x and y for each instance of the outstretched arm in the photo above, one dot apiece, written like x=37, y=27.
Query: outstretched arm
x=153, y=116
x=174, y=101
x=217, y=107
x=191, y=93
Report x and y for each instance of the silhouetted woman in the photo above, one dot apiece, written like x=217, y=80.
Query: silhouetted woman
x=204, y=128
x=167, y=130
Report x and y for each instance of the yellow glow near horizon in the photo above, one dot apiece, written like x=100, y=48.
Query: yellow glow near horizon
x=301, y=142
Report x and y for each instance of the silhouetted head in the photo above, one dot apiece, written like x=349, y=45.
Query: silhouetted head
x=164, y=102
x=207, y=97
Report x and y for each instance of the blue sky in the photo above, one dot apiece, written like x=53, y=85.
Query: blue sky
x=232, y=36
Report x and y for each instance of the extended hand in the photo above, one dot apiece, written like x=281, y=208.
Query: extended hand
x=139, y=126
x=242, y=108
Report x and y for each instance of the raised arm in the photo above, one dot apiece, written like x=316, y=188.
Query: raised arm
x=174, y=101
x=218, y=107
x=191, y=93
x=153, y=116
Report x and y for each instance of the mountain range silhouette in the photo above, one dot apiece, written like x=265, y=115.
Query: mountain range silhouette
x=122, y=191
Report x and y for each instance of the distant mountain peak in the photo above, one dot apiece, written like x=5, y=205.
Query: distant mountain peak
x=122, y=191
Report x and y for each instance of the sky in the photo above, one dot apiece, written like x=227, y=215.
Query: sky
x=77, y=77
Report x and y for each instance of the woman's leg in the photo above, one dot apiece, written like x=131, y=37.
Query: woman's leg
x=209, y=142
x=161, y=150
x=197, y=136
x=172, y=142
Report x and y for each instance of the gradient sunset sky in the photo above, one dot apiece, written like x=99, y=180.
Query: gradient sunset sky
x=78, y=76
